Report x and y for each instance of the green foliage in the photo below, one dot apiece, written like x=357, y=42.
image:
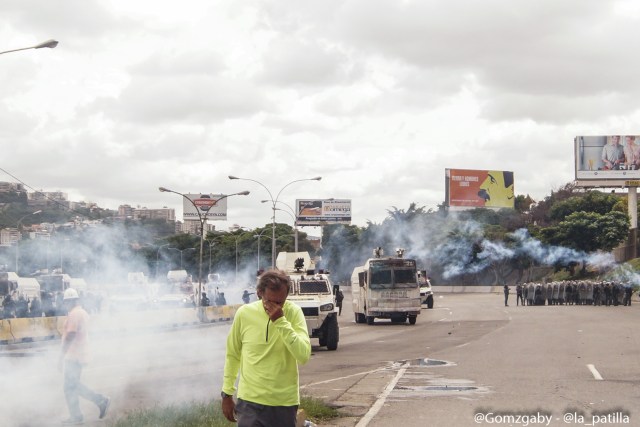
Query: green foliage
x=317, y=410
x=185, y=415
x=209, y=414
x=592, y=201
x=588, y=231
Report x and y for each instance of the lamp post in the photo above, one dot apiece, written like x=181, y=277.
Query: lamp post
x=203, y=221
x=49, y=43
x=181, y=251
x=258, y=236
x=292, y=213
x=273, y=207
x=19, y=226
x=211, y=242
x=158, y=258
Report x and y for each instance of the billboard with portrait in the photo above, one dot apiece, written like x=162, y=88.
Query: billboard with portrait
x=315, y=212
x=209, y=206
x=479, y=188
x=607, y=157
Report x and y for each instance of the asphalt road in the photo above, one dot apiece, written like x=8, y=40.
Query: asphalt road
x=468, y=355
x=507, y=364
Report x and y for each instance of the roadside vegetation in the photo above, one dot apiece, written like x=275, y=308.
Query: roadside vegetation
x=555, y=236
x=207, y=414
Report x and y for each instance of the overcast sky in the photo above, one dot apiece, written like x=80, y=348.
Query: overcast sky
x=376, y=96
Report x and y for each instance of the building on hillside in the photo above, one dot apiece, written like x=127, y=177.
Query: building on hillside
x=48, y=199
x=9, y=236
x=165, y=214
x=8, y=187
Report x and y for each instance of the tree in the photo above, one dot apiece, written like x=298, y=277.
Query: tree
x=588, y=231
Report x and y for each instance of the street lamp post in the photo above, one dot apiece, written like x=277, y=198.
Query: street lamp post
x=292, y=213
x=273, y=207
x=258, y=236
x=19, y=226
x=203, y=220
x=158, y=258
x=49, y=43
x=181, y=250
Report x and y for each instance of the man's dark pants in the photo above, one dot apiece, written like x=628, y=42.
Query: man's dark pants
x=251, y=414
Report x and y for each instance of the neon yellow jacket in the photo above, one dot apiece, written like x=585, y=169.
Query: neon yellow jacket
x=266, y=354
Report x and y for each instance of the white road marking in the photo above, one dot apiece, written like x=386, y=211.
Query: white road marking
x=341, y=378
x=595, y=372
x=364, y=421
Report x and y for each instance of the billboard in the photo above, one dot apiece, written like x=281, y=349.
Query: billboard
x=607, y=157
x=208, y=206
x=316, y=212
x=479, y=188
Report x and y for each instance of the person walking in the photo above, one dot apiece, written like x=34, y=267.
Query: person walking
x=267, y=341
x=519, y=294
x=506, y=295
x=74, y=356
x=339, y=298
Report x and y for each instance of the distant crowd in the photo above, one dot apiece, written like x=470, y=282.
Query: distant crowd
x=51, y=305
x=575, y=292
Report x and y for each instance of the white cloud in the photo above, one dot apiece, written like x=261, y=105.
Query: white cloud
x=376, y=96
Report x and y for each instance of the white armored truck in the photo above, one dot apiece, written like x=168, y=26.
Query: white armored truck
x=312, y=290
x=386, y=288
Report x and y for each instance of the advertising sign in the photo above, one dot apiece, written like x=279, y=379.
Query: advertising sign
x=607, y=157
x=479, y=188
x=317, y=212
x=209, y=206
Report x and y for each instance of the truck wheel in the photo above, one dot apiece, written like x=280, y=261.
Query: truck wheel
x=323, y=339
x=370, y=320
x=430, y=301
x=332, y=334
x=412, y=320
x=360, y=318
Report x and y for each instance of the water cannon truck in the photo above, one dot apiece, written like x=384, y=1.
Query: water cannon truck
x=386, y=288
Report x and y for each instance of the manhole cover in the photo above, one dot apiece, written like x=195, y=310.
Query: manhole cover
x=426, y=362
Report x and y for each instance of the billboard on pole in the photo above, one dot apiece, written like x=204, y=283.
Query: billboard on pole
x=607, y=157
x=315, y=212
x=209, y=206
x=479, y=188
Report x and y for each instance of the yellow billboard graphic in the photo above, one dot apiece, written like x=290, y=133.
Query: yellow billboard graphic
x=479, y=188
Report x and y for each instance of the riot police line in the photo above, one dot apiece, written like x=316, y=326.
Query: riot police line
x=575, y=292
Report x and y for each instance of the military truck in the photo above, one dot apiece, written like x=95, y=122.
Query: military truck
x=386, y=288
x=313, y=291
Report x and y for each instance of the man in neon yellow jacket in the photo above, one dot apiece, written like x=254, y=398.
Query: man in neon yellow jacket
x=267, y=341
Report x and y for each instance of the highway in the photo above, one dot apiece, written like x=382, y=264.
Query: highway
x=468, y=355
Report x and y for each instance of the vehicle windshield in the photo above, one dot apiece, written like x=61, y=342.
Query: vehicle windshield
x=383, y=277
x=405, y=278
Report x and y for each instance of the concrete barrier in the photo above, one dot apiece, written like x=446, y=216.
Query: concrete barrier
x=454, y=289
x=20, y=330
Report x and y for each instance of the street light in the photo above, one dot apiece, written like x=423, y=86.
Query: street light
x=259, y=236
x=211, y=242
x=291, y=213
x=273, y=207
x=203, y=221
x=19, y=226
x=181, y=250
x=49, y=43
x=158, y=258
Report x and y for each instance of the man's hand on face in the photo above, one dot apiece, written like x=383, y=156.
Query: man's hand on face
x=273, y=309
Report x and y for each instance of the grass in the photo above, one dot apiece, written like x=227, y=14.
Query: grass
x=207, y=414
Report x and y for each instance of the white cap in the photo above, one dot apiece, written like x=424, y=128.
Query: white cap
x=70, y=293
